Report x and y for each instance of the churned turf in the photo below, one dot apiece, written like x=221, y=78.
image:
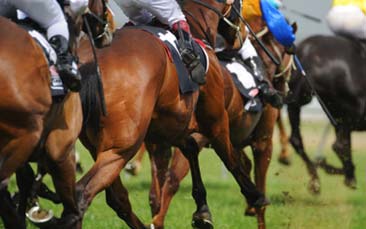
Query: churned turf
x=292, y=205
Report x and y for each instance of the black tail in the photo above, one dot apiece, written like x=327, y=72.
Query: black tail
x=90, y=94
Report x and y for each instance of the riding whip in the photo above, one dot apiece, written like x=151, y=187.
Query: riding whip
x=311, y=83
x=304, y=15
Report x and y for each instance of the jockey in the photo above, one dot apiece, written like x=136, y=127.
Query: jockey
x=348, y=18
x=251, y=10
x=49, y=15
x=142, y=12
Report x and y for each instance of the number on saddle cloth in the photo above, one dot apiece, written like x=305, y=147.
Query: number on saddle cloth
x=186, y=85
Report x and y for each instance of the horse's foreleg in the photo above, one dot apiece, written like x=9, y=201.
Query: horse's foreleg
x=8, y=212
x=13, y=155
x=284, y=157
x=25, y=179
x=160, y=155
x=262, y=153
x=342, y=147
x=297, y=143
x=117, y=199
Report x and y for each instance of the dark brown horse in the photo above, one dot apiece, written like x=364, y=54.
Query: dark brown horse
x=253, y=129
x=144, y=104
x=31, y=127
x=335, y=66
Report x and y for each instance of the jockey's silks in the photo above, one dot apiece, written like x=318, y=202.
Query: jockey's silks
x=359, y=3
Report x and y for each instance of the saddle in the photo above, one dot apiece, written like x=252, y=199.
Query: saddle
x=58, y=90
x=171, y=44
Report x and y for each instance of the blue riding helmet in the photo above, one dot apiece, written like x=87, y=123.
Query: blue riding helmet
x=277, y=23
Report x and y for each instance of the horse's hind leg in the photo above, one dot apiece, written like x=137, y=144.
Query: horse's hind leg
x=117, y=199
x=103, y=175
x=160, y=155
x=342, y=147
x=116, y=195
x=297, y=143
x=262, y=153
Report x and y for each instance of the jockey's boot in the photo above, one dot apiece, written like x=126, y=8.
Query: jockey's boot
x=189, y=55
x=66, y=64
x=269, y=94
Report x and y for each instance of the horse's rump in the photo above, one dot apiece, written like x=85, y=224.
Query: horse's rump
x=24, y=79
x=138, y=74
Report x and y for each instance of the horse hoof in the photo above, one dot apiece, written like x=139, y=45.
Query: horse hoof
x=132, y=169
x=284, y=161
x=261, y=202
x=202, y=224
x=202, y=220
x=39, y=217
x=250, y=211
x=314, y=187
x=351, y=183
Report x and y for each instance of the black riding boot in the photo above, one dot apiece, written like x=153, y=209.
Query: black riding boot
x=269, y=94
x=66, y=64
x=189, y=56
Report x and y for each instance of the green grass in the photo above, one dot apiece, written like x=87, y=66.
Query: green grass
x=292, y=205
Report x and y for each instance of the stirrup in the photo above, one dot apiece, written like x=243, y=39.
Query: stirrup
x=190, y=58
x=70, y=76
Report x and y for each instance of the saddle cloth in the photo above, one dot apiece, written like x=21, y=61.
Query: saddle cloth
x=186, y=85
x=245, y=83
x=58, y=91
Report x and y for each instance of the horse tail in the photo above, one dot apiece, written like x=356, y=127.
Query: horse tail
x=91, y=96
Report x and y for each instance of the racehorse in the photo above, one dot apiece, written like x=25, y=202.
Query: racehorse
x=28, y=186
x=31, y=126
x=335, y=68
x=246, y=129
x=144, y=104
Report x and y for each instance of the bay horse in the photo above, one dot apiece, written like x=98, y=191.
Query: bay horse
x=32, y=128
x=246, y=129
x=335, y=66
x=100, y=15
x=144, y=104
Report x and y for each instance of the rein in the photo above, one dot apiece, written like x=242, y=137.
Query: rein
x=290, y=63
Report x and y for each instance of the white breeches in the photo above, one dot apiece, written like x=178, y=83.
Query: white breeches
x=47, y=14
x=247, y=50
x=142, y=11
x=347, y=20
